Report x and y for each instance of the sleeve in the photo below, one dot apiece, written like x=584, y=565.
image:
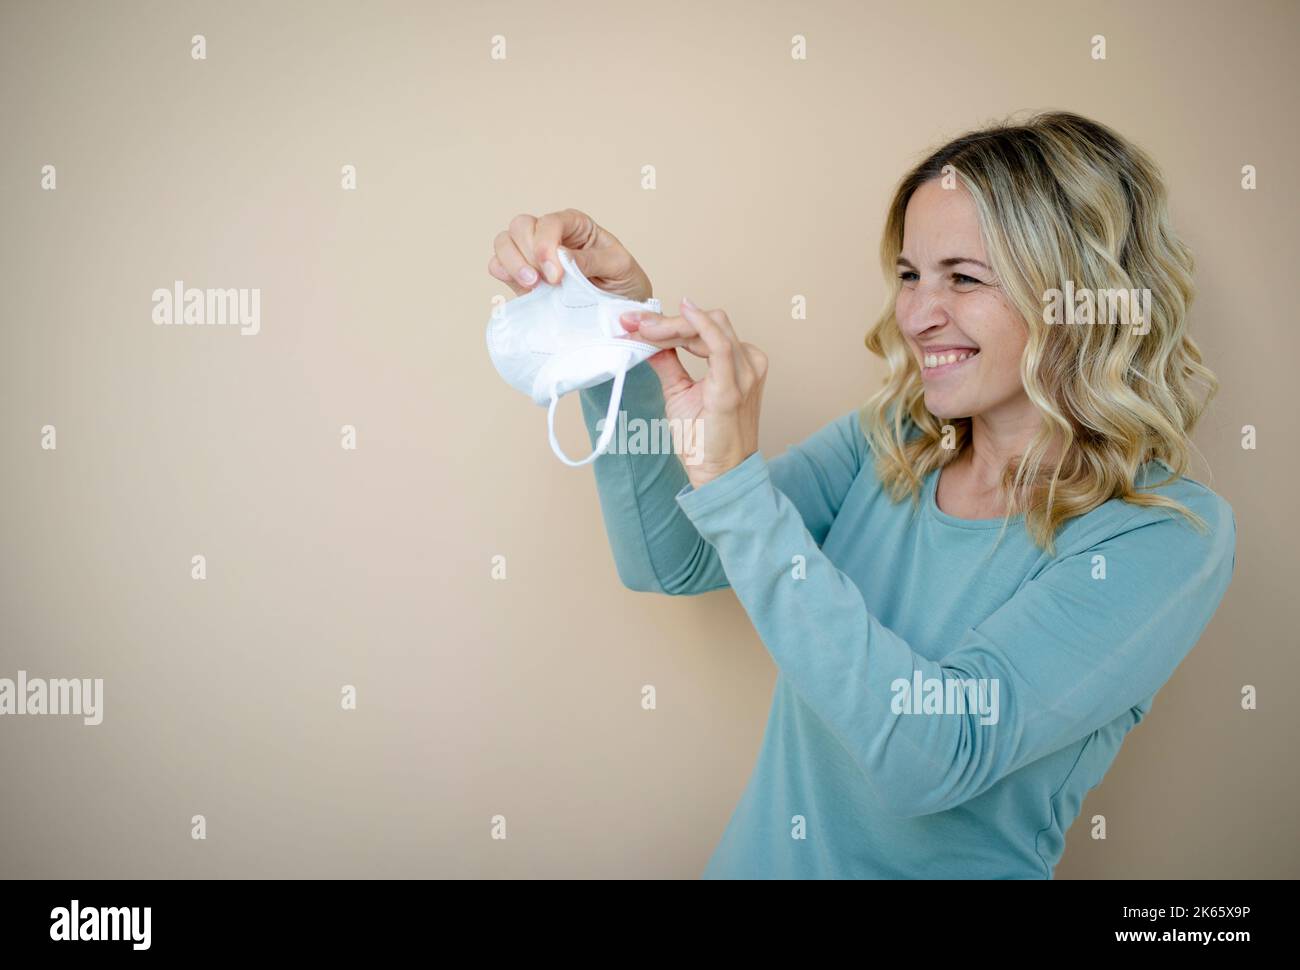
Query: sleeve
x=1069, y=652
x=656, y=547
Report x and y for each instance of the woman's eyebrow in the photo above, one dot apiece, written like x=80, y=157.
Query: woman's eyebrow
x=950, y=261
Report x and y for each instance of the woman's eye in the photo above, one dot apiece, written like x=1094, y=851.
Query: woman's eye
x=908, y=276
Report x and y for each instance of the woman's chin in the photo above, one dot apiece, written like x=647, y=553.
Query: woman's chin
x=945, y=406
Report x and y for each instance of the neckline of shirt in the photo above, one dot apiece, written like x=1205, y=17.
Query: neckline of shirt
x=1146, y=473
x=932, y=509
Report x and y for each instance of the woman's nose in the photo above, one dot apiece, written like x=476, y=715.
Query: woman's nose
x=924, y=308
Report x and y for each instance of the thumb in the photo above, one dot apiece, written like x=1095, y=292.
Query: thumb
x=669, y=367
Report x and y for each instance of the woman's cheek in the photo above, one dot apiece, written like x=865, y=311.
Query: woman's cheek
x=902, y=305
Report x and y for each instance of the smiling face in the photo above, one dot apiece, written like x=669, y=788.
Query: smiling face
x=949, y=304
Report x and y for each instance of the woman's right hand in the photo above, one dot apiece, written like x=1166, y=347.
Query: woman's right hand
x=525, y=253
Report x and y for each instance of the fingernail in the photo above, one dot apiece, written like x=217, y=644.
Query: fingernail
x=687, y=303
x=527, y=276
x=630, y=320
x=549, y=269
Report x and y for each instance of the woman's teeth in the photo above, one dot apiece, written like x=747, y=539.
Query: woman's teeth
x=952, y=357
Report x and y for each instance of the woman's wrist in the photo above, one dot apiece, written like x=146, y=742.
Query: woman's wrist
x=701, y=475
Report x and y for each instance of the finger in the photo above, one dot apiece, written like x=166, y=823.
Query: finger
x=514, y=261
x=523, y=230
x=693, y=345
x=500, y=272
x=669, y=367
x=664, y=331
x=569, y=228
x=744, y=371
x=724, y=323
x=722, y=353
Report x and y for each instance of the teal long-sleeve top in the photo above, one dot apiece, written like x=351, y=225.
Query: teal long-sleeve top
x=941, y=706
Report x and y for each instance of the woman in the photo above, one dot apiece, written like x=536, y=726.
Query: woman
x=946, y=695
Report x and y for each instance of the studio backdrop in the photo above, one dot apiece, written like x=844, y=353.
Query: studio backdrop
x=350, y=615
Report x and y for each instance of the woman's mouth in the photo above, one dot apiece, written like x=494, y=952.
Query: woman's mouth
x=935, y=365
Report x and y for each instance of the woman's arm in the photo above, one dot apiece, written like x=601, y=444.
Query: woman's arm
x=656, y=547
x=1070, y=652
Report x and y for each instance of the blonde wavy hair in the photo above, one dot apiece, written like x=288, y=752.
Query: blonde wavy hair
x=1059, y=198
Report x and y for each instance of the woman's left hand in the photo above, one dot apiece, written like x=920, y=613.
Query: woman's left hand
x=718, y=414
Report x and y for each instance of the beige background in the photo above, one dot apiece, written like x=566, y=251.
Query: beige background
x=328, y=567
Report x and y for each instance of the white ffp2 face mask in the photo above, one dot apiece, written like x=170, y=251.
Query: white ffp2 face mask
x=560, y=338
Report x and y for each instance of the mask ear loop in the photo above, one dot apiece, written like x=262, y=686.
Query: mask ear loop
x=615, y=398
